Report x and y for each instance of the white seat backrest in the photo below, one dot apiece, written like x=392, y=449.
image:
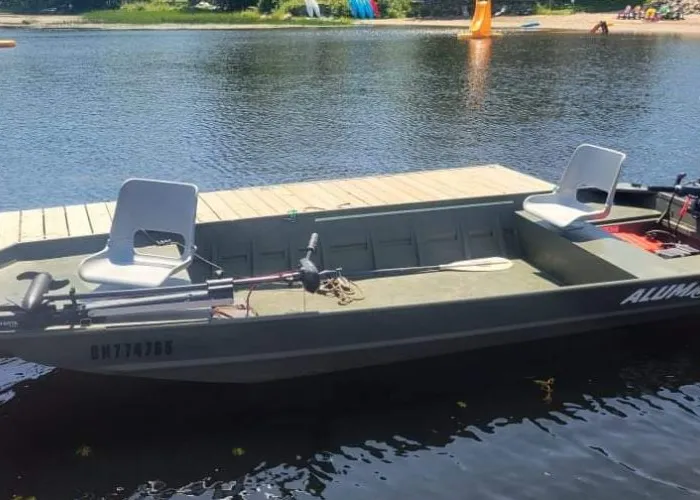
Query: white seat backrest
x=156, y=206
x=591, y=166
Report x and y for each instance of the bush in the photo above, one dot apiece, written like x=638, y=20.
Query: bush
x=337, y=8
x=545, y=10
x=288, y=6
x=395, y=8
x=193, y=16
x=266, y=6
x=157, y=6
x=332, y=8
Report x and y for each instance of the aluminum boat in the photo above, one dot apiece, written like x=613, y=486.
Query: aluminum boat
x=253, y=300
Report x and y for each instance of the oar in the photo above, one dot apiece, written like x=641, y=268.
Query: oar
x=473, y=265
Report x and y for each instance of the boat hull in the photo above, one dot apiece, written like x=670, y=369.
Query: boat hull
x=282, y=347
x=561, y=283
x=305, y=364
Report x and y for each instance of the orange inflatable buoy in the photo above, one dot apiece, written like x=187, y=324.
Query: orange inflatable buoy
x=7, y=44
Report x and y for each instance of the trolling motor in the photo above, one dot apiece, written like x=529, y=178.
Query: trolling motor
x=691, y=189
x=678, y=189
x=38, y=307
x=308, y=272
x=671, y=244
x=33, y=309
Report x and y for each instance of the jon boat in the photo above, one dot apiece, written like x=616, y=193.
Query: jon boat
x=332, y=291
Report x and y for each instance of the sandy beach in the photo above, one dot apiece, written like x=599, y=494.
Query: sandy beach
x=575, y=22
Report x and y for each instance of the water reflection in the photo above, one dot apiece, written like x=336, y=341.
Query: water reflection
x=16, y=372
x=477, y=70
x=618, y=425
x=229, y=109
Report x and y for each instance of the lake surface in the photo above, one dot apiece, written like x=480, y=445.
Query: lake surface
x=80, y=111
x=88, y=109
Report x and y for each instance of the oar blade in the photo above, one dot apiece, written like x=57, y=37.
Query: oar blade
x=479, y=265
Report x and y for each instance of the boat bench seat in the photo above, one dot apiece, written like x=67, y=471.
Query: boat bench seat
x=586, y=254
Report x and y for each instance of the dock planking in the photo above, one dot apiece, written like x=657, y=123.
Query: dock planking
x=272, y=200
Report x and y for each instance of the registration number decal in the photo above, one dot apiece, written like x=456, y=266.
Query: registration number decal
x=130, y=350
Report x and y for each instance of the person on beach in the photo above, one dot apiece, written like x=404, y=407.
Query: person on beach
x=602, y=26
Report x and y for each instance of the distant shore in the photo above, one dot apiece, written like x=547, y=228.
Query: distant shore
x=574, y=22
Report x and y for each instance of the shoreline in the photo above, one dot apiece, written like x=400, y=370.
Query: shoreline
x=581, y=22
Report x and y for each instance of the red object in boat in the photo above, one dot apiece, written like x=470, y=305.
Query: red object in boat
x=638, y=240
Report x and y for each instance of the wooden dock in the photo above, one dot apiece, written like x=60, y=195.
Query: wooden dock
x=423, y=186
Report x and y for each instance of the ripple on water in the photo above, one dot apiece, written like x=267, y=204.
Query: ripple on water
x=14, y=371
x=234, y=109
x=228, y=109
x=620, y=439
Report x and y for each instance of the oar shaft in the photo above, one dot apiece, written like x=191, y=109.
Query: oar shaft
x=474, y=264
x=387, y=272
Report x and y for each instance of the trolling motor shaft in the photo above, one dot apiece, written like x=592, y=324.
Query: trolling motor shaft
x=677, y=188
x=309, y=275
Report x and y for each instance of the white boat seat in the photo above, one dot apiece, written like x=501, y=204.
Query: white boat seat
x=589, y=167
x=150, y=205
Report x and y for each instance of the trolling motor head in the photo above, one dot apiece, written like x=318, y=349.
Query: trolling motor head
x=308, y=272
x=41, y=283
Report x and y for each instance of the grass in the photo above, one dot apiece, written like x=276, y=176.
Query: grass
x=181, y=16
x=543, y=10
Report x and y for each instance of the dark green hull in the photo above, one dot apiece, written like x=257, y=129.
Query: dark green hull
x=561, y=283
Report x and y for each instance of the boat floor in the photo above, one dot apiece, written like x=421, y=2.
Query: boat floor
x=413, y=289
x=377, y=292
x=15, y=277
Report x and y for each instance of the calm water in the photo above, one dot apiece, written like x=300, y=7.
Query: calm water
x=81, y=111
x=88, y=109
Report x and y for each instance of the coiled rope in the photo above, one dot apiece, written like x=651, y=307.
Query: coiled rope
x=343, y=289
